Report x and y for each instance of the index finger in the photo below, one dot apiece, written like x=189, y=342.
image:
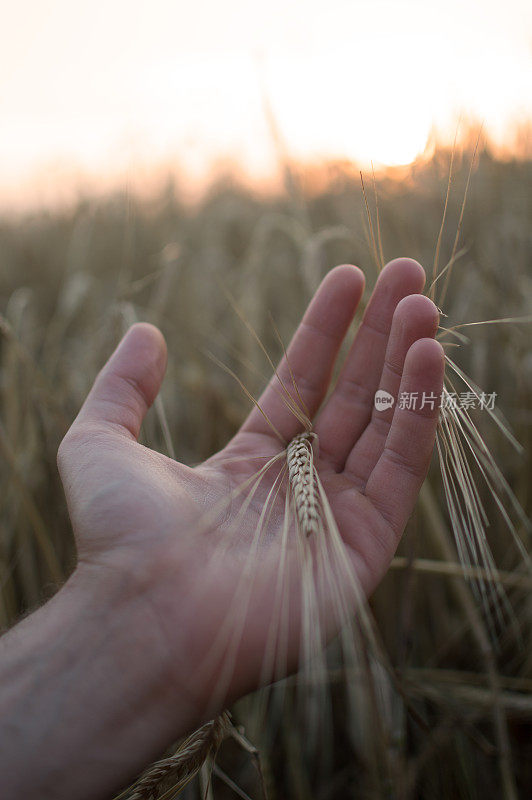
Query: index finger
x=311, y=355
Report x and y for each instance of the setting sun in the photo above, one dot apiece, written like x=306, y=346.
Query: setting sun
x=99, y=89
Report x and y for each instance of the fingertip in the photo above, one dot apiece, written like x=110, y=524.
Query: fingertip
x=346, y=278
x=418, y=310
x=148, y=337
x=333, y=306
x=426, y=360
x=406, y=270
x=140, y=359
x=427, y=348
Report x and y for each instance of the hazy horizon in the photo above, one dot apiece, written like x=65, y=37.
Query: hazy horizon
x=93, y=93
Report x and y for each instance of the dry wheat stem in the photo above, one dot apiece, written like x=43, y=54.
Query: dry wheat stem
x=191, y=755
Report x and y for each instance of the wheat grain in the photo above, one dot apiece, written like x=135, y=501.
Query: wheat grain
x=300, y=461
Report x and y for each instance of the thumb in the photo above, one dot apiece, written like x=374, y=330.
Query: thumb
x=128, y=383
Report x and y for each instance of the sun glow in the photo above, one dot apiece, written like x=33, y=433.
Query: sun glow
x=354, y=108
x=104, y=87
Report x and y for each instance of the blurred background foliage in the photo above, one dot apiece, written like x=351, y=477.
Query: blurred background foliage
x=72, y=280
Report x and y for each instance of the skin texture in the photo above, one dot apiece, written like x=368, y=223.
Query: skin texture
x=123, y=659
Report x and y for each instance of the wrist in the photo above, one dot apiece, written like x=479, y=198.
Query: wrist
x=87, y=688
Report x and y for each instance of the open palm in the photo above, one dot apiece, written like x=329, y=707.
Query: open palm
x=152, y=525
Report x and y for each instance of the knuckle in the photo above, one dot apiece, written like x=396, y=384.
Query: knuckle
x=63, y=451
x=71, y=442
x=404, y=462
x=354, y=390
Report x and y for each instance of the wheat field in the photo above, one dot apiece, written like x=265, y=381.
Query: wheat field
x=456, y=721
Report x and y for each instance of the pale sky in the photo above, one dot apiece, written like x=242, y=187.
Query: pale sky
x=110, y=87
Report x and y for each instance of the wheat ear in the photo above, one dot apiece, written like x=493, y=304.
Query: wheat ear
x=185, y=763
x=300, y=461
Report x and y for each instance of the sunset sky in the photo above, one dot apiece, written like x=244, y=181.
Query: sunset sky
x=104, y=88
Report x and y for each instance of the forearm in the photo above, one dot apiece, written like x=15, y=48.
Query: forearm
x=84, y=705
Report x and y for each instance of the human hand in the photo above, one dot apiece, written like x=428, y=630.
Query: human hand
x=139, y=517
x=125, y=658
